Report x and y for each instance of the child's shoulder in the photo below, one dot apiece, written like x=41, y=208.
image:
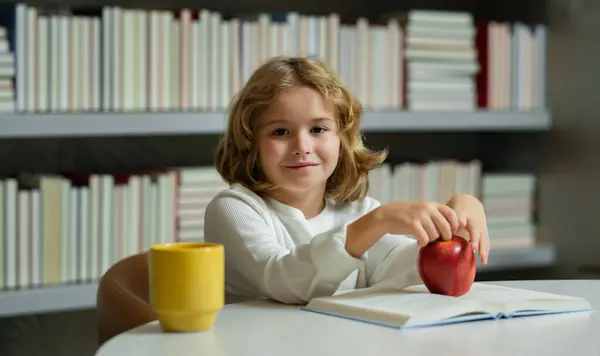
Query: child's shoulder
x=236, y=196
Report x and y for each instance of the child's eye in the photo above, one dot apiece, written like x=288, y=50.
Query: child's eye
x=318, y=129
x=279, y=132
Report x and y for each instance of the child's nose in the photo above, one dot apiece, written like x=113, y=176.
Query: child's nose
x=302, y=145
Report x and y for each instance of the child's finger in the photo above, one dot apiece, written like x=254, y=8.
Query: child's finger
x=451, y=216
x=431, y=229
x=442, y=224
x=484, y=247
x=420, y=234
x=473, y=233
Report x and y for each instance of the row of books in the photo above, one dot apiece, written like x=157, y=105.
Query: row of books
x=71, y=229
x=509, y=198
x=510, y=210
x=121, y=60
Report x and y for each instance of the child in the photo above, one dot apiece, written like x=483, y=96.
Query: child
x=296, y=222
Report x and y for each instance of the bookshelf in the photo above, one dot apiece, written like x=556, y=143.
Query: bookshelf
x=108, y=99
x=174, y=123
x=83, y=296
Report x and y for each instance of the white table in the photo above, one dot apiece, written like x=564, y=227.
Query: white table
x=265, y=328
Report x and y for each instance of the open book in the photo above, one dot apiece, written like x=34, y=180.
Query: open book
x=416, y=307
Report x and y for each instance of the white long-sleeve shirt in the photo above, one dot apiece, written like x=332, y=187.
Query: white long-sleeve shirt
x=273, y=251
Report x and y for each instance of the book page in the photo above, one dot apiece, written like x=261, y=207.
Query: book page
x=401, y=307
x=508, y=300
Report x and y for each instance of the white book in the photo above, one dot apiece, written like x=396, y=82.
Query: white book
x=215, y=38
x=43, y=63
x=174, y=65
x=153, y=60
x=194, y=65
x=10, y=232
x=172, y=207
x=162, y=209
x=442, y=18
x=395, y=68
x=247, y=50
x=142, y=63
x=108, y=67
x=23, y=245
x=362, y=51
x=146, y=212
x=106, y=248
x=94, y=227
x=85, y=63
x=117, y=43
x=22, y=54
x=64, y=229
x=117, y=215
x=120, y=222
x=333, y=40
x=36, y=238
x=83, y=233
x=378, y=67
x=65, y=69
x=72, y=235
x=203, y=59
x=31, y=59
x=415, y=306
x=223, y=65
x=96, y=94
x=55, y=67
x=293, y=34
x=134, y=215
x=76, y=65
x=186, y=54
x=153, y=217
x=234, y=58
x=129, y=59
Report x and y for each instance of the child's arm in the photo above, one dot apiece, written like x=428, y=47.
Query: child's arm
x=253, y=251
x=392, y=259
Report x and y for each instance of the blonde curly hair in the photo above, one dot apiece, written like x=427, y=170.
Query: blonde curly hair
x=237, y=155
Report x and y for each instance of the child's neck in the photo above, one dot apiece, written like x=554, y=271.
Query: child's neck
x=310, y=204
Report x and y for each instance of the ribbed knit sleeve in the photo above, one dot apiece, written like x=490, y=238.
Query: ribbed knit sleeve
x=254, y=252
x=392, y=259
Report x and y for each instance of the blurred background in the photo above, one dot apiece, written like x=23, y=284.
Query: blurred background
x=110, y=114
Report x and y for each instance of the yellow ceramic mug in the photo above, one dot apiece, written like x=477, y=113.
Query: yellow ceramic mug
x=187, y=285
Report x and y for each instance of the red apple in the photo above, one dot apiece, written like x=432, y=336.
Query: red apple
x=447, y=266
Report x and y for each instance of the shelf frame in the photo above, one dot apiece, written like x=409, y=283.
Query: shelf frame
x=205, y=123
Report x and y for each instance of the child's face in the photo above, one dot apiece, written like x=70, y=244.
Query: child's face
x=299, y=142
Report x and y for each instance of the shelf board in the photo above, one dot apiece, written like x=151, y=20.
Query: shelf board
x=543, y=255
x=456, y=121
x=181, y=123
x=47, y=299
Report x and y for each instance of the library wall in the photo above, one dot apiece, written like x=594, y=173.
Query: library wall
x=570, y=179
x=498, y=152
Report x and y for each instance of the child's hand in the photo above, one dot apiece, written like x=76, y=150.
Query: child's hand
x=424, y=220
x=473, y=223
